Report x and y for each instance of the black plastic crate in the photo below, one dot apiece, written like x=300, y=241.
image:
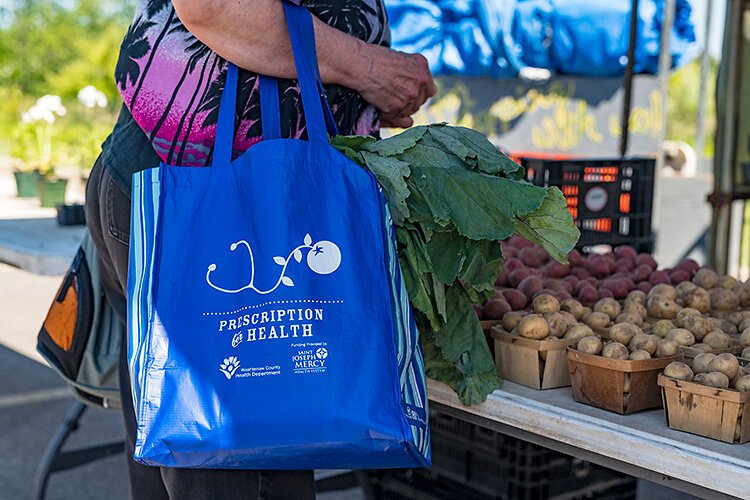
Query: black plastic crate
x=423, y=484
x=611, y=200
x=503, y=467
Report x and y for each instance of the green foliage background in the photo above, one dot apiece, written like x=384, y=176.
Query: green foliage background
x=682, y=105
x=59, y=47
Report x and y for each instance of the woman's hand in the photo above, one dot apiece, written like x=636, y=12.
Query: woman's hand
x=395, y=83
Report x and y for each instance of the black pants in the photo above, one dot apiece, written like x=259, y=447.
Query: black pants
x=108, y=220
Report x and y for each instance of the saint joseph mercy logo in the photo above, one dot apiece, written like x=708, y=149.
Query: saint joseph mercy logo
x=323, y=257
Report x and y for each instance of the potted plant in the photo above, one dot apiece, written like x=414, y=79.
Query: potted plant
x=42, y=116
x=27, y=178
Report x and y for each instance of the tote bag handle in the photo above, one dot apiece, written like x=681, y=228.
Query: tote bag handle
x=316, y=110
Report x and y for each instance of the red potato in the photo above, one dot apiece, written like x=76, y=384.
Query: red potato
x=556, y=270
x=541, y=254
x=575, y=258
x=588, y=295
x=519, y=242
x=599, y=266
x=570, y=283
x=496, y=309
x=646, y=259
x=625, y=265
x=659, y=277
x=517, y=276
x=678, y=276
x=509, y=252
x=626, y=251
x=530, y=257
x=689, y=266
x=580, y=272
x=618, y=287
x=503, y=279
x=512, y=264
x=553, y=284
x=640, y=273
x=515, y=298
x=479, y=310
x=606, y=294
x=561, y=295
x=581, y=285
x=644, y=286
x=530, y=285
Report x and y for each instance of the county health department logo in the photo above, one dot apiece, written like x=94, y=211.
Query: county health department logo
x=229, y=366
x=323, y=257
x=321, y=353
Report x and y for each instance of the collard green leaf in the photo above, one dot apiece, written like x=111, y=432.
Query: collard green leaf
x=446, y=250
x=468, y=143
x=351, y=146
x=398, y=143
x=416, y=268
x=551, y=226
x=483, y=263
x=471, y=389
x=391, y=174
x=448, y=138
x=356, y=142
x=461, y=338
x=480, y=206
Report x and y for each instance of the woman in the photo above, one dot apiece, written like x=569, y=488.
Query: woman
x=170, y=72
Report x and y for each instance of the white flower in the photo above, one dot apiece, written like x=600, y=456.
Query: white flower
x=38, y=113
x=53, y=103
x=92, y=97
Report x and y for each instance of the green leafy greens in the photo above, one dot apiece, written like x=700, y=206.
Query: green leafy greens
x=453, y=196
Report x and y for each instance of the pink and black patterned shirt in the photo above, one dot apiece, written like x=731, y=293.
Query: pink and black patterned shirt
x=171, y=82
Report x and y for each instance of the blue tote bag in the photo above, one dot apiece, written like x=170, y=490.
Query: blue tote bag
x=269, y=326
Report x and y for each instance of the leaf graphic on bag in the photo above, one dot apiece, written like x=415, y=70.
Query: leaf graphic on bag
x=308, y=240
x=287, y=281
x=279, y=260
x=298, y=255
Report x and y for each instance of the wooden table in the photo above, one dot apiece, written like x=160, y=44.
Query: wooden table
x=640, y=444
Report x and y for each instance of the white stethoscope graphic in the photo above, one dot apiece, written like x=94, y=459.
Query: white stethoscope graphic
x=323, y=257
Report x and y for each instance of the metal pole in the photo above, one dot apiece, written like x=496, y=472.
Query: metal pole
x=724, y=155
x=628, y=83
x=700, y=132
x=665, y=64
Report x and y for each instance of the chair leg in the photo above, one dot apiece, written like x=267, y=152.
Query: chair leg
x=55, y=459
x=66, y=428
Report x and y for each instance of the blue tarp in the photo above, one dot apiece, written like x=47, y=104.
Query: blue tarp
x=497, y=38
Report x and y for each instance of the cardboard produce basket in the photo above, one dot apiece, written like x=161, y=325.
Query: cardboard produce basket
x=539, y=364
x=734, y=348
x=619, y=385
x=721, y=414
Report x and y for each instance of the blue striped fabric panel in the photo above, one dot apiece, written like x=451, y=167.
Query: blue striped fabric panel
x=410, y=360
x=143, y=228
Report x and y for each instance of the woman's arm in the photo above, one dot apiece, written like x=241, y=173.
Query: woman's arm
x=253, y=35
